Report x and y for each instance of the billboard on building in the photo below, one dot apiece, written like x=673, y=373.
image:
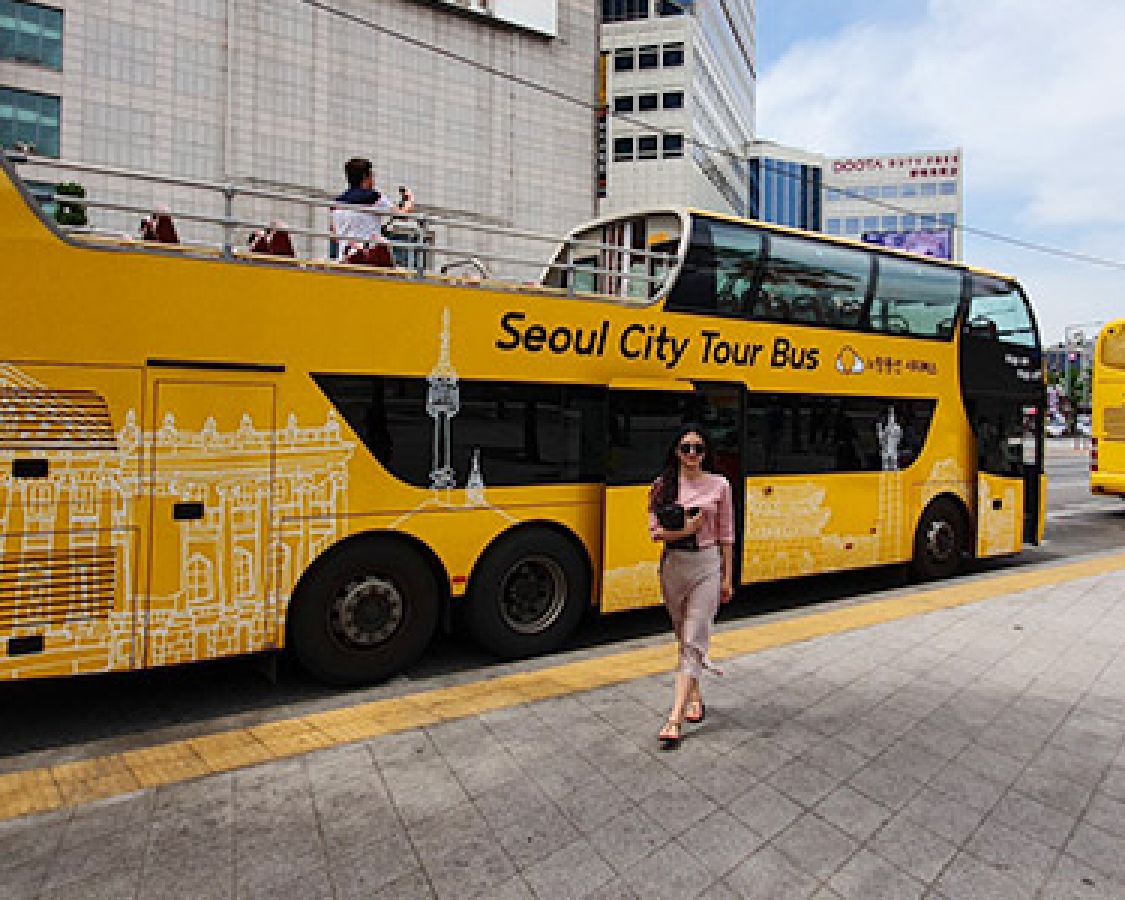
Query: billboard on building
x=938, y=243
x=535, y=15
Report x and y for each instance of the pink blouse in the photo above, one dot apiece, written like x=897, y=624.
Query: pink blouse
x=712, y=494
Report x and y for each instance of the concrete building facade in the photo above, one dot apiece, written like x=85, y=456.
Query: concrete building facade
x=680, y=81
x=278, y=95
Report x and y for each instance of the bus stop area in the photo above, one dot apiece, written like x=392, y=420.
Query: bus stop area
x=939, y=741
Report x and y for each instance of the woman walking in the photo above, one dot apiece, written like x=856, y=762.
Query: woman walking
x=691, y=512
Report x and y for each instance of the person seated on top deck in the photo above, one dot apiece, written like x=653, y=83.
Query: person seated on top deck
x=159, y=227
x=360, y=230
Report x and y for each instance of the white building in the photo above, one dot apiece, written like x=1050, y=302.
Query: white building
x=909, y=200
x=279, y=94
x=679, y=78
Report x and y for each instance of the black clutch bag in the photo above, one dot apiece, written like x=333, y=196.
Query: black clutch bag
x=671, y=516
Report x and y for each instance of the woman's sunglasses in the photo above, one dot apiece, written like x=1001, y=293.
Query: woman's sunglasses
x=687, y=448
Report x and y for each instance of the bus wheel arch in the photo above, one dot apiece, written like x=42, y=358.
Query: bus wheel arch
x=942, y=537
x=528, y=591
x=366, y=608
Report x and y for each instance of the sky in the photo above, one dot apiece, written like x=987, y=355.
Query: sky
x=1032, y=90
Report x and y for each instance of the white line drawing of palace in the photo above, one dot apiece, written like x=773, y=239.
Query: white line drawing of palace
x=69, y=541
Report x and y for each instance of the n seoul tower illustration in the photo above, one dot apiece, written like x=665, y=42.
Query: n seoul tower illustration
x=443, y=402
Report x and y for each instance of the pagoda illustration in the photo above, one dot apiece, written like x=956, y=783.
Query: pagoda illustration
x=443, y=402
x=474, y=487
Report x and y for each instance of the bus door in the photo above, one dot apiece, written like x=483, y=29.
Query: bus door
x=1004, y=396
x=214, y=548
x=641, y=423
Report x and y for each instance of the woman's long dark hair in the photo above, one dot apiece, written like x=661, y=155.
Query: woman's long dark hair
x=666, y=488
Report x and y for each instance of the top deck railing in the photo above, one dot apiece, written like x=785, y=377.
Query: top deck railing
x=426, y=245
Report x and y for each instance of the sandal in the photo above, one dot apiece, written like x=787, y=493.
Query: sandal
x=693, y=717
x=670, y=735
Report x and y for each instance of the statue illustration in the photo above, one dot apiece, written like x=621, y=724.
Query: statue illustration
x=890, y=435
x=474, y=487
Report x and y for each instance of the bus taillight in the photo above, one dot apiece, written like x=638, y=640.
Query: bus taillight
x=1093, y=454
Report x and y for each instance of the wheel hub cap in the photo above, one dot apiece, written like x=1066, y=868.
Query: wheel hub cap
x=532, y=595
x=941, y=542
x=366, y=611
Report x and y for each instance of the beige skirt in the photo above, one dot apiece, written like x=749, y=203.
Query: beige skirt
x=691, y=581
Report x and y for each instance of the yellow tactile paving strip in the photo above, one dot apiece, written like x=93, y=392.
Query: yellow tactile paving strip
x=70, y=784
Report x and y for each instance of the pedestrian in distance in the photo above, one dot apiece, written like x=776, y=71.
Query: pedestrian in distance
x=691, y=512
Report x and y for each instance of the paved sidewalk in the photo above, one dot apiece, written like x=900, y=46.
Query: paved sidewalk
x=973, y=751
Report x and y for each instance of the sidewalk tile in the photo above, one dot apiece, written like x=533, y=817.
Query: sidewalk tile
x=1024, y=860
x=914, y=849
x=995, y=766
x=967, y=878
x=370, y=863
x=414, y=886
x=852, y=812
x=616, y=889
x=814, y=846
x=106, y=886
x=535, y=835
x=594, y=803
x=1054, y=790
x=628, y=838
x=803, y=782
x=1106, y=813
x=1100, y=849
x=31, y=838
x=1072, y=879
x=867, y=876
x=678, y=807
x=720, y=842
x=965, y=786
x=764, y=810
x=1033, y=818
x=885, y=785
x=571, y=873
x=768, y=875
x=670, y=873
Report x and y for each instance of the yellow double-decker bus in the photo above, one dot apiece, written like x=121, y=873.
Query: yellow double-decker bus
x=1107, y=414
x=209, y=452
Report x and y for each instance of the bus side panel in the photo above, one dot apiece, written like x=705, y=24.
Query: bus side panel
x=999, y=515
x=71, y=516
x=631, y=559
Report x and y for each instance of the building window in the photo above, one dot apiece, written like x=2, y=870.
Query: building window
x=890, y=223
x=947, y=220
x=909, y=223
x=870, y=223
x=948, y=188
x=648, y=57
x=851, y=225
x=623, y=104
x=889, y=191
x=622, y=149
x=28, y=118
x=909, y=190
x=833, y=226
x=673, y=99
x=647, y=102
x=623, y=59
x=871, y=192
x=31, y=33
x=673, y=145
x=668, y=8
x=929, y=221
x=929, y=189
x=624, y=10
x=646, y=147
x=834, y=195
x=673, y=55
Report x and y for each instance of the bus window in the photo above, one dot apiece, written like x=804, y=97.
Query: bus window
x=915, y=298
x=998, y=311
x=719, y=271
x=585, y=275
x=807, y=281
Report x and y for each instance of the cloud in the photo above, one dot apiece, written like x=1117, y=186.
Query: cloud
x=1032, y=90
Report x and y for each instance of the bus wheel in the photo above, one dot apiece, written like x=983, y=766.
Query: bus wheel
x=528, y=594
x=939, y=543
x=367, y=612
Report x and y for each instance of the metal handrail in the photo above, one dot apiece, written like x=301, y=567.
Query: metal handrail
x=421, y=223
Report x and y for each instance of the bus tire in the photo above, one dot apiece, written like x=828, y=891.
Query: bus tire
x=366, y=612
x=528, y=593
x=940, y=541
